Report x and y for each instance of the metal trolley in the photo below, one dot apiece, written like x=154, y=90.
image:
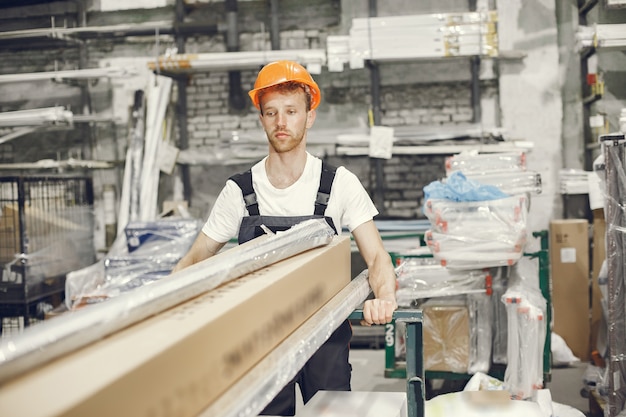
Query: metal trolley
x=413, y=371
x=398, y=369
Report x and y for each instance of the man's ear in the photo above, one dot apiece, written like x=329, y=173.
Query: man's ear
x=310, y=118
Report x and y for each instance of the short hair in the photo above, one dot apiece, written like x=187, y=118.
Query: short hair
x=287, y=87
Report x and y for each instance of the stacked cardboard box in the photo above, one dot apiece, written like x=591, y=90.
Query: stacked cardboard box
x=569, y=257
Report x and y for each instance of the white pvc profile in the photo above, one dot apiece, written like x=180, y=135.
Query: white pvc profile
x=257, y=388
x=37, y=117
x=50, y=339
x=313, y=59
x=109, y=72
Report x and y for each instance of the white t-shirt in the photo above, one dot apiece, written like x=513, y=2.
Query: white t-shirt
x=349, y=204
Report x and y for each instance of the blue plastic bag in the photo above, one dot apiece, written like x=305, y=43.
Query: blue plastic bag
x=458, y=188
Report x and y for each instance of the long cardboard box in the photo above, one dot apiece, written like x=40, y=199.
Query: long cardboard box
x=569, y=258
x=178, y=362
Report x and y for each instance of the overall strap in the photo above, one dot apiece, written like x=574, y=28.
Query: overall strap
x=244, y=181
x=323, y=193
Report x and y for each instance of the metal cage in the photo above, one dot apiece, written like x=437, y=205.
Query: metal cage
x=46, y=231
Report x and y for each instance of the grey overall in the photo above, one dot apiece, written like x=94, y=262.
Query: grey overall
x=328, y=369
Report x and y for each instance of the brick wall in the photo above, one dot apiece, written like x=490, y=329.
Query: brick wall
x=210, y=120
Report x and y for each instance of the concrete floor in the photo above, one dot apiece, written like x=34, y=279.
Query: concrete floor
x=368, y=375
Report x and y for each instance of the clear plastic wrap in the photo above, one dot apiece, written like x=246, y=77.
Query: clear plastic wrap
x=457, y=334
x=526, y=313
x=65, y=333
x=477, y=234
x=473, y=162
x=417, y=281
x=510, y=182
x=146, y=252
x=500, y=325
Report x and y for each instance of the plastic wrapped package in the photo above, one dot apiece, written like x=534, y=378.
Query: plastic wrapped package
x=418, y=281
x=509, y=210
x=456, y=334
x=510, y=182
x=476, y=243
x=500, y=325
x=145, y=253
x=481, y=332
x=473, y=162
x=50, y=339
x=477, y=234
x=147, y=234
x=526, y=315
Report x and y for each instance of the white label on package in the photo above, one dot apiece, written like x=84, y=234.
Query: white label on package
x=568, y=255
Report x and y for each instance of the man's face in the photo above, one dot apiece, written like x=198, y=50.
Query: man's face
x=285, y=119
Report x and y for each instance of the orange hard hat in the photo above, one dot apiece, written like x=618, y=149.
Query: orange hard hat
x=279, y=72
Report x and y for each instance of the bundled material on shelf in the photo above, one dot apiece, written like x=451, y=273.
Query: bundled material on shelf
x=477, y=163
x=418, y=281
x=477, y=234
x=138, y=200
x=423, y=36
x=48, y=116
x=511, y=182
x=603, y=36
x=313, y=59
x=79, y=74
x=526, y=313
x=457, y=334
x=49, y=339
x=504, y=170
x=573, y=181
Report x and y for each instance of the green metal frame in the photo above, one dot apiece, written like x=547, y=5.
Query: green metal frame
x=397, y=369
x=414, y=369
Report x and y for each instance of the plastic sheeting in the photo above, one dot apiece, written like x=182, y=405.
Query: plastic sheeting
x=418, y=281
x=503, y=170
x=475, y=163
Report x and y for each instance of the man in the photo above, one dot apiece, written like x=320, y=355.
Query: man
x=285, y=188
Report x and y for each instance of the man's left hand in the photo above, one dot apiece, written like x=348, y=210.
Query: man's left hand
x=378, y=311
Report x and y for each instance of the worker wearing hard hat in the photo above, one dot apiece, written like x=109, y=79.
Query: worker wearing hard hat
x=288, y=186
